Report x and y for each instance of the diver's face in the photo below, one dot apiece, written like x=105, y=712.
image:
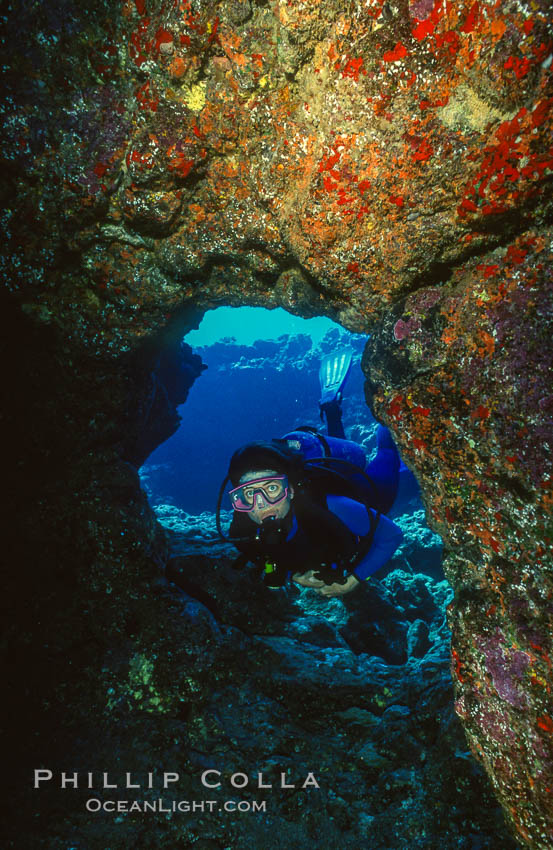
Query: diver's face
x=262, y=508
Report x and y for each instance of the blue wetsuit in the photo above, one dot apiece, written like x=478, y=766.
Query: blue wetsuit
x=383, y=471
x=387, y=537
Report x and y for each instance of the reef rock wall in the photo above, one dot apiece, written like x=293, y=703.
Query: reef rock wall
x=388, y=165
x=477, y=408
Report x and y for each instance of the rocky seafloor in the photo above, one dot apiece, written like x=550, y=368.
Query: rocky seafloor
x=358, y=691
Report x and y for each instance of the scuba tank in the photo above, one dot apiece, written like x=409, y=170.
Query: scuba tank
x=339, y=466
x=312, y=444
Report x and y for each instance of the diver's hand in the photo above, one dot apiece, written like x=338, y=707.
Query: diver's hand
x=308, y=579
x=335, y=589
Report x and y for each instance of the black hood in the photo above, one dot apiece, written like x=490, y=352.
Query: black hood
x=273, y=454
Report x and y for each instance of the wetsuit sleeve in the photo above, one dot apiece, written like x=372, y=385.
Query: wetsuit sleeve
x=387, y=538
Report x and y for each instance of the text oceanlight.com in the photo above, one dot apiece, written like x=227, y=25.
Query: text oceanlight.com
x=170, y=806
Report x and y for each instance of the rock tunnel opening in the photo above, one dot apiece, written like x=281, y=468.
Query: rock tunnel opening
x=239, y=682
x=382, y=663
x=262, y=385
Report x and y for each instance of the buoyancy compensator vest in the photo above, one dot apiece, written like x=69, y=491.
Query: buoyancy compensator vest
x=311, y=536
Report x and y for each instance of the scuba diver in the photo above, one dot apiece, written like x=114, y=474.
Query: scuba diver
x=307, y=507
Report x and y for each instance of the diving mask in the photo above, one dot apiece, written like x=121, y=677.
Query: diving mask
x=259, y=492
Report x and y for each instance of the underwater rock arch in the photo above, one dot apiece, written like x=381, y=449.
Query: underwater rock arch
x=390, y=168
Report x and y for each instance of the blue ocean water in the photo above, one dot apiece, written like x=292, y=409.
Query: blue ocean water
x=259, y=389
x=261, y=381
x=248, y=324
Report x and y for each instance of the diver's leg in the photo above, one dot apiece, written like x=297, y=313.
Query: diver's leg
x=384, y=469
x=332, y=411
x=333, y=374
